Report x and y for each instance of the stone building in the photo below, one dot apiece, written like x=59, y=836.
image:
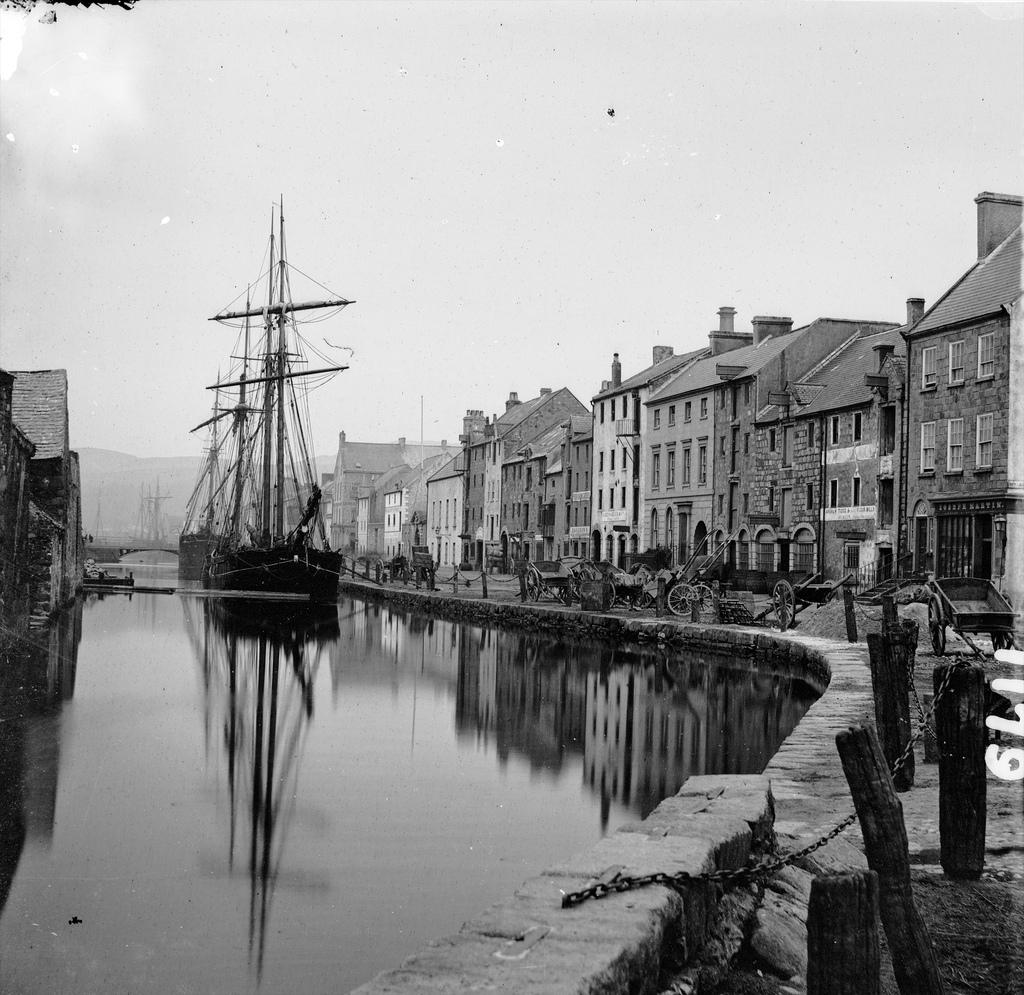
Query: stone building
x=528, y=498
x=445, y=489
x=576, y=464
x=372, y=519
x=618, y=469
x=55, y=552
x=965, y=378
x=16, y=452
x=486, y=446
x=358, y=465
x=828, y=465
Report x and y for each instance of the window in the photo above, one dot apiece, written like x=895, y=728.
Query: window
x=703, y=407
x=771, y=440
x=929, y=376
x=766, y=556
x=746, y=392
x=833, y=493
x=671, y=414
x=721, y=503
x=654, y=529
x=856, y=492
x=702, y=465
x=803, y=559
x=986, y=355
x=858, y=426
x=735, y=400
x=611, y=497
x=670, y=532
x=746, y=503
x=928, y=445
x=721, y=398
x=833, y=423
x=851, y=556
x=810, y=435
x=984, y=456
x=656, y=470
x=687, y=410
x=956, y=361
x=786, y=506
x=612, y=415
x=787, y=445
x=600, y=500
x=611, y=460
x=602, y=412
x=657, y=417
x=686, y=467
x=771, y=498
x=600, y=462
x=954, y=445
x=746, y=443
x=721, y=445
x=809, y=497
x=671, y=470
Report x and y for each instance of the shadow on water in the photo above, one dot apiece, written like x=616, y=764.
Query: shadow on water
x=259, y=664
x=37, y=675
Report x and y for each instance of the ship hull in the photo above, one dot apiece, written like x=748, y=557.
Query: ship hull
x=278, y=570
x=192, y=552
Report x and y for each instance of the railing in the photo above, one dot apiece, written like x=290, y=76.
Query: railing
x=627, y=426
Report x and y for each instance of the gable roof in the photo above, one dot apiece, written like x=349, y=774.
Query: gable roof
x=842, y=378
x=452, y=468
x=988, y=286
x=655, y=372
x=39, y=407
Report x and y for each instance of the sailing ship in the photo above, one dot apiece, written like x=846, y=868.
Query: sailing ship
x=264, y=514
x=198, y=536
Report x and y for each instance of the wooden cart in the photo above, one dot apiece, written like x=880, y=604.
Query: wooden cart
x=551, y=579
x=968, y=604
x=789, y=599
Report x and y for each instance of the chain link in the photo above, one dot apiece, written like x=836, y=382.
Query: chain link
x=768, y=865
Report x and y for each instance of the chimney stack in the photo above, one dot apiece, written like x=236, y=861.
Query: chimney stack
x=401, y=440
x=726, y=337
x=915, y=309
x=544, y=391
x=998, y=215
x=616, y=370
x=883, y=350
x=341, y=438
x=661, y=353
x=513, y=400
x=769, y=327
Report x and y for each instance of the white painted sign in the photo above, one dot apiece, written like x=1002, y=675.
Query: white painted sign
x=864, y=512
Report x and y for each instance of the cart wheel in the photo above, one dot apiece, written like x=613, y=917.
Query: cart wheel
x=784, y=600
x=1002, y=640
x=533, y=584
x=936, y=625
x=679, y=600
x=702, y=595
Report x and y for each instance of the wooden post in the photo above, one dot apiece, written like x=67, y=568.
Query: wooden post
x=890, y=620
x=887, y=658
x=885, y=844
x=931, y=744
x=455, y=581
x=843, y=954
x=483, y=582
x=716, y=601
x=522, y=586
x=695, y=610
x=851, y=616
x=659, y=600
x=960, y=727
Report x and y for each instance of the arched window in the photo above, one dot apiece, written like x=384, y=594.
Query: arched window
x=654, y=529
x=670, y=532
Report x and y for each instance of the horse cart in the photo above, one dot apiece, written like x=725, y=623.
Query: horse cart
x=789, y=599
x=966, y=605
x=551, y=579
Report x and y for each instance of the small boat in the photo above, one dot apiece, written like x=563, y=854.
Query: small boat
x=95, y=577
x=264, y=514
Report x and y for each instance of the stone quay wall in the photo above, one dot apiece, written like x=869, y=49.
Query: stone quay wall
x=639, y=940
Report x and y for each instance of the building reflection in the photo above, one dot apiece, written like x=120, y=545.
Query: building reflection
x=259, y=665
x=37, y=675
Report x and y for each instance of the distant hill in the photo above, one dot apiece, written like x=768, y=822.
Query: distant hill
x=113, y=483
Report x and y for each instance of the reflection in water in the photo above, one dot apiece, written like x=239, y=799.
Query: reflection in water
x=259, y=664
x=37, y=674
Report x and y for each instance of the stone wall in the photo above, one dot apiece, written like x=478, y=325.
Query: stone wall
x=15, y=455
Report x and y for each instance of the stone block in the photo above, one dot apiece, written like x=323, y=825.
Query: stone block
x=639, y=854
x=779, y=938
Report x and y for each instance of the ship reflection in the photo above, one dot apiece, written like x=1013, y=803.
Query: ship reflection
x=259, y=665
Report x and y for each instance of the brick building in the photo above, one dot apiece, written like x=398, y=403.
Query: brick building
x=55, y=554
x=618, y=470
x=16, y=452
x=965, y=376
x=486, y=446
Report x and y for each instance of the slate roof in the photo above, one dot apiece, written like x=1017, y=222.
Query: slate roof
x=450, y=469
x=39, y=407
x=655, y=372
x=989, y=285
x=843, y=377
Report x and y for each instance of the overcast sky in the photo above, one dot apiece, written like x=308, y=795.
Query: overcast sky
x=456, y=170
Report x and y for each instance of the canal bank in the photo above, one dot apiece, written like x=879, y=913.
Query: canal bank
x=649, y=939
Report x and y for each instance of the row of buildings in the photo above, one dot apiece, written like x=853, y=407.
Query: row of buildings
x=841, y=446
x=41, y=550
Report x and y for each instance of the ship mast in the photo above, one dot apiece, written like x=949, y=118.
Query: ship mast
x=281, y=319
x=268, y=398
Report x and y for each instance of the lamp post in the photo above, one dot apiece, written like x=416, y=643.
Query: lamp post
x=999, y=524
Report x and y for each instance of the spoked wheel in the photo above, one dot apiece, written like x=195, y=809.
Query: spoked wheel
x=936, y=625
x=701, y=594
x=533, y=584
x=784, y=601
x=679, y=600
x=1002, y=640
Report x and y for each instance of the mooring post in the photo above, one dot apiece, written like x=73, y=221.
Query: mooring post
x=890, y=618
x=716, y=601
x=483, y=583
x=885, y=845
x=843, y=951
x=695, y=609
x=659, y=600
x=960, y=729
x=851, y=616
x=892, y=704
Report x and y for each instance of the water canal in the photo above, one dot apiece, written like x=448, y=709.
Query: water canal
x=197, y=803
